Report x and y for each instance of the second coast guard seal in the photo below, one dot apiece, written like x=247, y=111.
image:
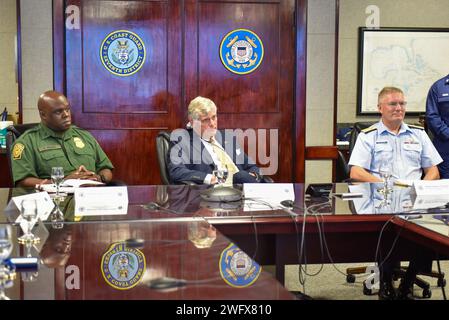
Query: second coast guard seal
x=237, y=269
x=122, y=53
x=122, y=267
x=241, y=51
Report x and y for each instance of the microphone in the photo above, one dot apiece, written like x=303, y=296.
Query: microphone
x=156, y=207
x=165, y=284
x=222, y=194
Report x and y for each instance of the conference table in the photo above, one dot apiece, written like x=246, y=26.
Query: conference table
x=189, y=243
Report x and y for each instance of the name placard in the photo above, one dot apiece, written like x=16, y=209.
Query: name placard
x=101, y=201
x=44, y=206
x=431, y=187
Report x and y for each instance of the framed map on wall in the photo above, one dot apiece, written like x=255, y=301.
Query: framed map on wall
x=411, y=59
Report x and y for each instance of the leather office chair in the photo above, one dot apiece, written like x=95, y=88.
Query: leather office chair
x=163, y=146
x=351, y=272
x=342, y=167
x=12, y=133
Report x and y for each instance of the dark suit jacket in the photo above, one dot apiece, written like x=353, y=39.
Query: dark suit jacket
x=189, y=160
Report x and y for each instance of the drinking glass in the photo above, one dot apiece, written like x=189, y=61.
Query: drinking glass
x=6, y=275
x=57, y=176
x=221, y=175
x=385, y=171
x=29, y=214
x=29, y=276
x=5, y=242
x=57, y=217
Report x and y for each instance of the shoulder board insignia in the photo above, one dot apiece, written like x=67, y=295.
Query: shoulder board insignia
x=414, y=126
x=17, y=151
x=369, y=129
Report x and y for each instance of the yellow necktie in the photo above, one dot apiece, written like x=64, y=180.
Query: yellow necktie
x=224, y=158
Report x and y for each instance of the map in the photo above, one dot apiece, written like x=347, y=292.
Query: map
x=409, y=60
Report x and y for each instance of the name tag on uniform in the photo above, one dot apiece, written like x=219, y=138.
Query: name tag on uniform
x=445, y=94
x=381, y=142
x=411, y=142
x=50, y=147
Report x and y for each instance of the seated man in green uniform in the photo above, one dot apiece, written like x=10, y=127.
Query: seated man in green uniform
x=55, y=142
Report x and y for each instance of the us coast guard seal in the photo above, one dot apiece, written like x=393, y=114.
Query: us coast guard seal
x=122, y=53
x=241, y=51
x=122, y=267
x=237, y=269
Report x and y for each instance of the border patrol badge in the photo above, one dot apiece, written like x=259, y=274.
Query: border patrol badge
x=237, y=269
x=241, y=51
x=78, y=142
x=122, y=267
x=17, y=151
x=122, y=53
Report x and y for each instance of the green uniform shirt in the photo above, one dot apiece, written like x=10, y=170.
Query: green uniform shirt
x=39, y=149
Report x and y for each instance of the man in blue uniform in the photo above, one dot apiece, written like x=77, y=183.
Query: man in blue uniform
x=412, y=156
x=437, y=117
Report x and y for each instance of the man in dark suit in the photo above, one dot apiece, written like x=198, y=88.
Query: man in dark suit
x=196, y=152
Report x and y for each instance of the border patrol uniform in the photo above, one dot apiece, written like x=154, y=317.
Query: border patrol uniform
x=437, y=117
x=410, y=151
x=39, y=149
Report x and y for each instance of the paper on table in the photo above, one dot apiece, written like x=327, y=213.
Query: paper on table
x=79, y=182
x=69, y=185
x=266, y=196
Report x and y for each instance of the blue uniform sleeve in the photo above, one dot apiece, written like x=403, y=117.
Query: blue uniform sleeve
x=433, y=117
x=430, y=156
x=361, y=155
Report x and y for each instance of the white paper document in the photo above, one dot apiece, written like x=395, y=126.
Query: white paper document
x=101, y=201
x=266, y=196
x=69, y=185
x=44, y=204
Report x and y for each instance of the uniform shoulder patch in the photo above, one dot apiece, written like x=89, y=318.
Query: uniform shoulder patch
x=369, y=129
x=17, y=151
x=414, y=126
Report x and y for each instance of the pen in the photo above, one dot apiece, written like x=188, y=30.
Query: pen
x=377, y=172
x=401, y=184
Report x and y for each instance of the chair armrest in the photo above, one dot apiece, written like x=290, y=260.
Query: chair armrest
x=188, y=183
x=267, y=179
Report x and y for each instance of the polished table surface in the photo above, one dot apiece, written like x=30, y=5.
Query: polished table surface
x=348, y=229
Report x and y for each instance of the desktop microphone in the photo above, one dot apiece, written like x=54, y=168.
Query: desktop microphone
x=222, y=194
x=156, y=207
x=166, y=284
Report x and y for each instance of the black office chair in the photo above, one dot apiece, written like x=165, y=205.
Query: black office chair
x=163, y=147
x=12, y=133
x=400, y=273
x=342, y=166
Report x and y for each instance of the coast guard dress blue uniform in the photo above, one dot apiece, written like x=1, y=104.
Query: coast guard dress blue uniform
x=410, y=151
x=437, y=117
